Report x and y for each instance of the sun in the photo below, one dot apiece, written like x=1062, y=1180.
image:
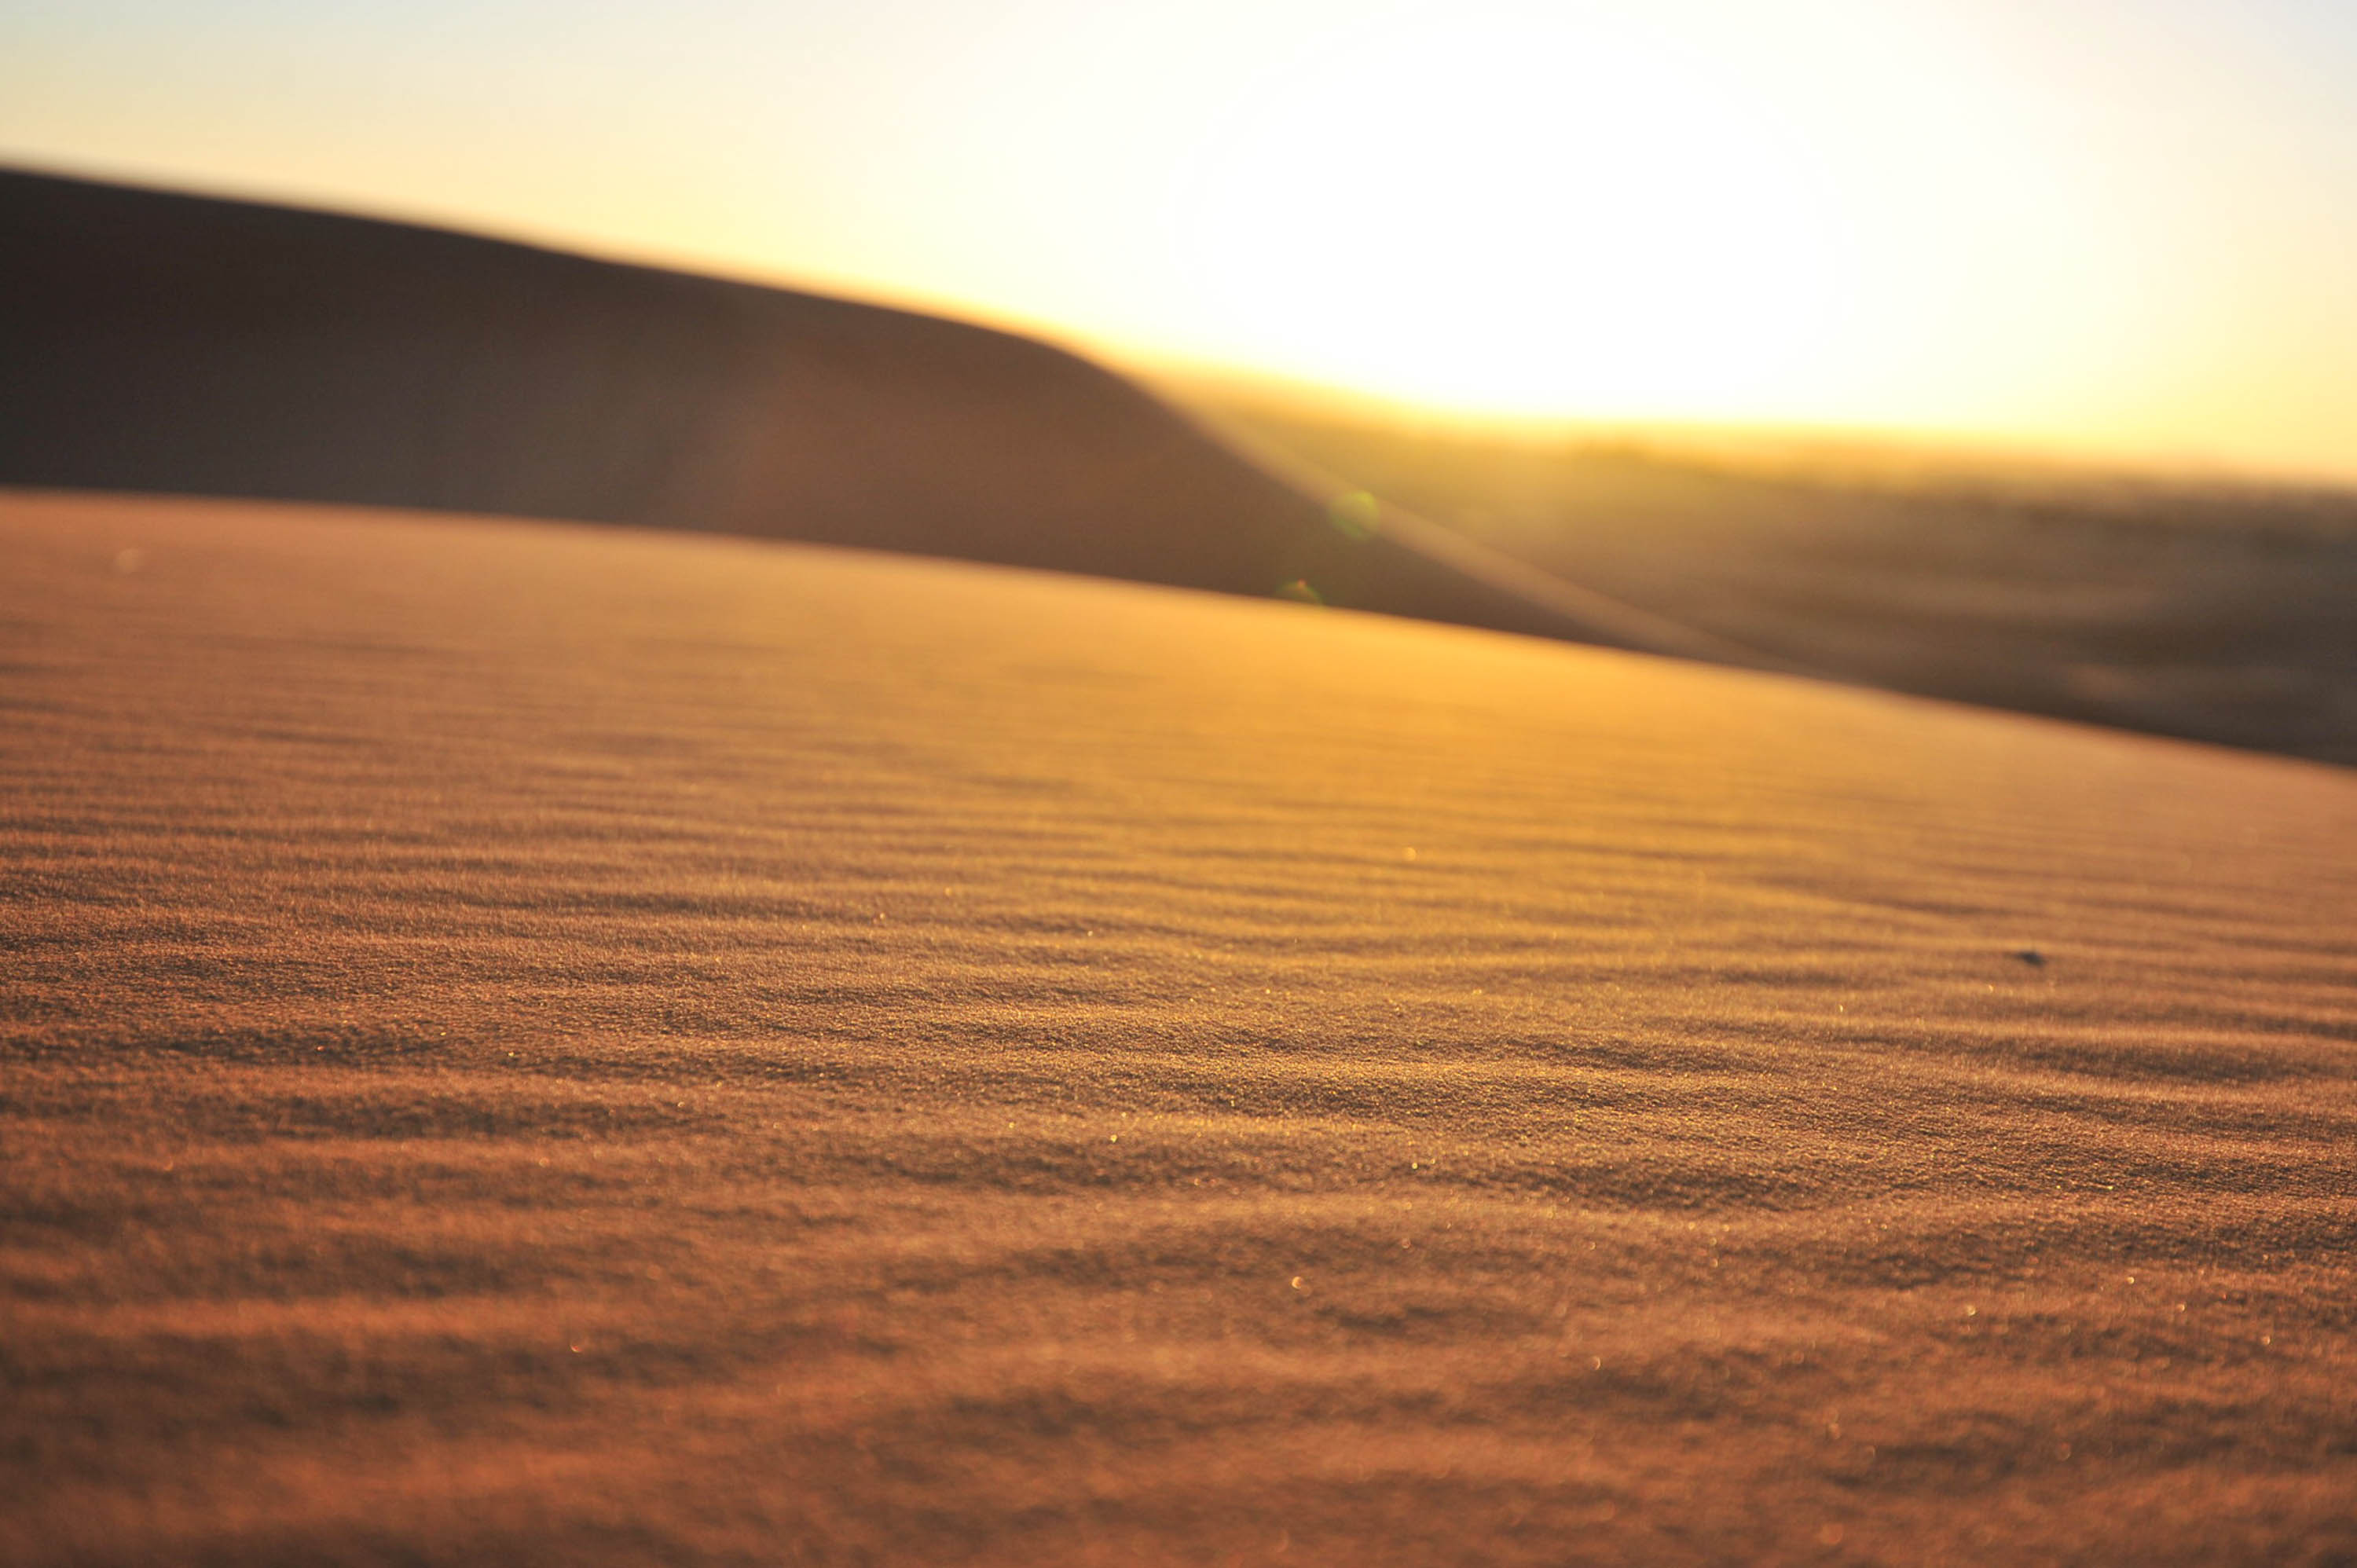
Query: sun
x=1520, y=215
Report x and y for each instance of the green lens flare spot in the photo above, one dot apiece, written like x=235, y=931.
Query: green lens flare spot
x=1301, y=593
x=1355, y=513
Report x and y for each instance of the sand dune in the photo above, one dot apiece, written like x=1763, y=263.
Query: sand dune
x=536, y=1044
x=2209, y=610
x=180, y=344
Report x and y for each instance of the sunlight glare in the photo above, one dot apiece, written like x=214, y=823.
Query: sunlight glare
x=1518, y=214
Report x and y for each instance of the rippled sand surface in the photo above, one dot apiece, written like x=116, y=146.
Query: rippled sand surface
x=526, y=1044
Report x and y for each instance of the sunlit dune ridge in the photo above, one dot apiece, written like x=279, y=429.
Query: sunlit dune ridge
x=533, y=1044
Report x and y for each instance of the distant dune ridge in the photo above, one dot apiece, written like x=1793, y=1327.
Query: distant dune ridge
x=533, y=1044
x=153, y=341
x=2213, y=609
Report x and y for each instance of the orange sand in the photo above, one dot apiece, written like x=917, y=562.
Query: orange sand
x=527, y=1044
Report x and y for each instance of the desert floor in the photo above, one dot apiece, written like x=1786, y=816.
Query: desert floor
x=527, y=1044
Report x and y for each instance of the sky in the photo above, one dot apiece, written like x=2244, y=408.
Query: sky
x=2120, y=227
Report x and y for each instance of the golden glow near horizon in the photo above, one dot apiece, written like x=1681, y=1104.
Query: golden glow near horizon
x=2127, y=230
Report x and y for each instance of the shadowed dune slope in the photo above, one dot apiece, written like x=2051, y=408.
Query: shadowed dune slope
x=152, y=341
x=2211, y=610
x=542, y=1045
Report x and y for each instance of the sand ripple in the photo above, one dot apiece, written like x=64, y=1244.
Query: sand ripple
x=532, y=1044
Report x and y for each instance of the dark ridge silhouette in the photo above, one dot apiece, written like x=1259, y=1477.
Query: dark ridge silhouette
x=165, y=342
